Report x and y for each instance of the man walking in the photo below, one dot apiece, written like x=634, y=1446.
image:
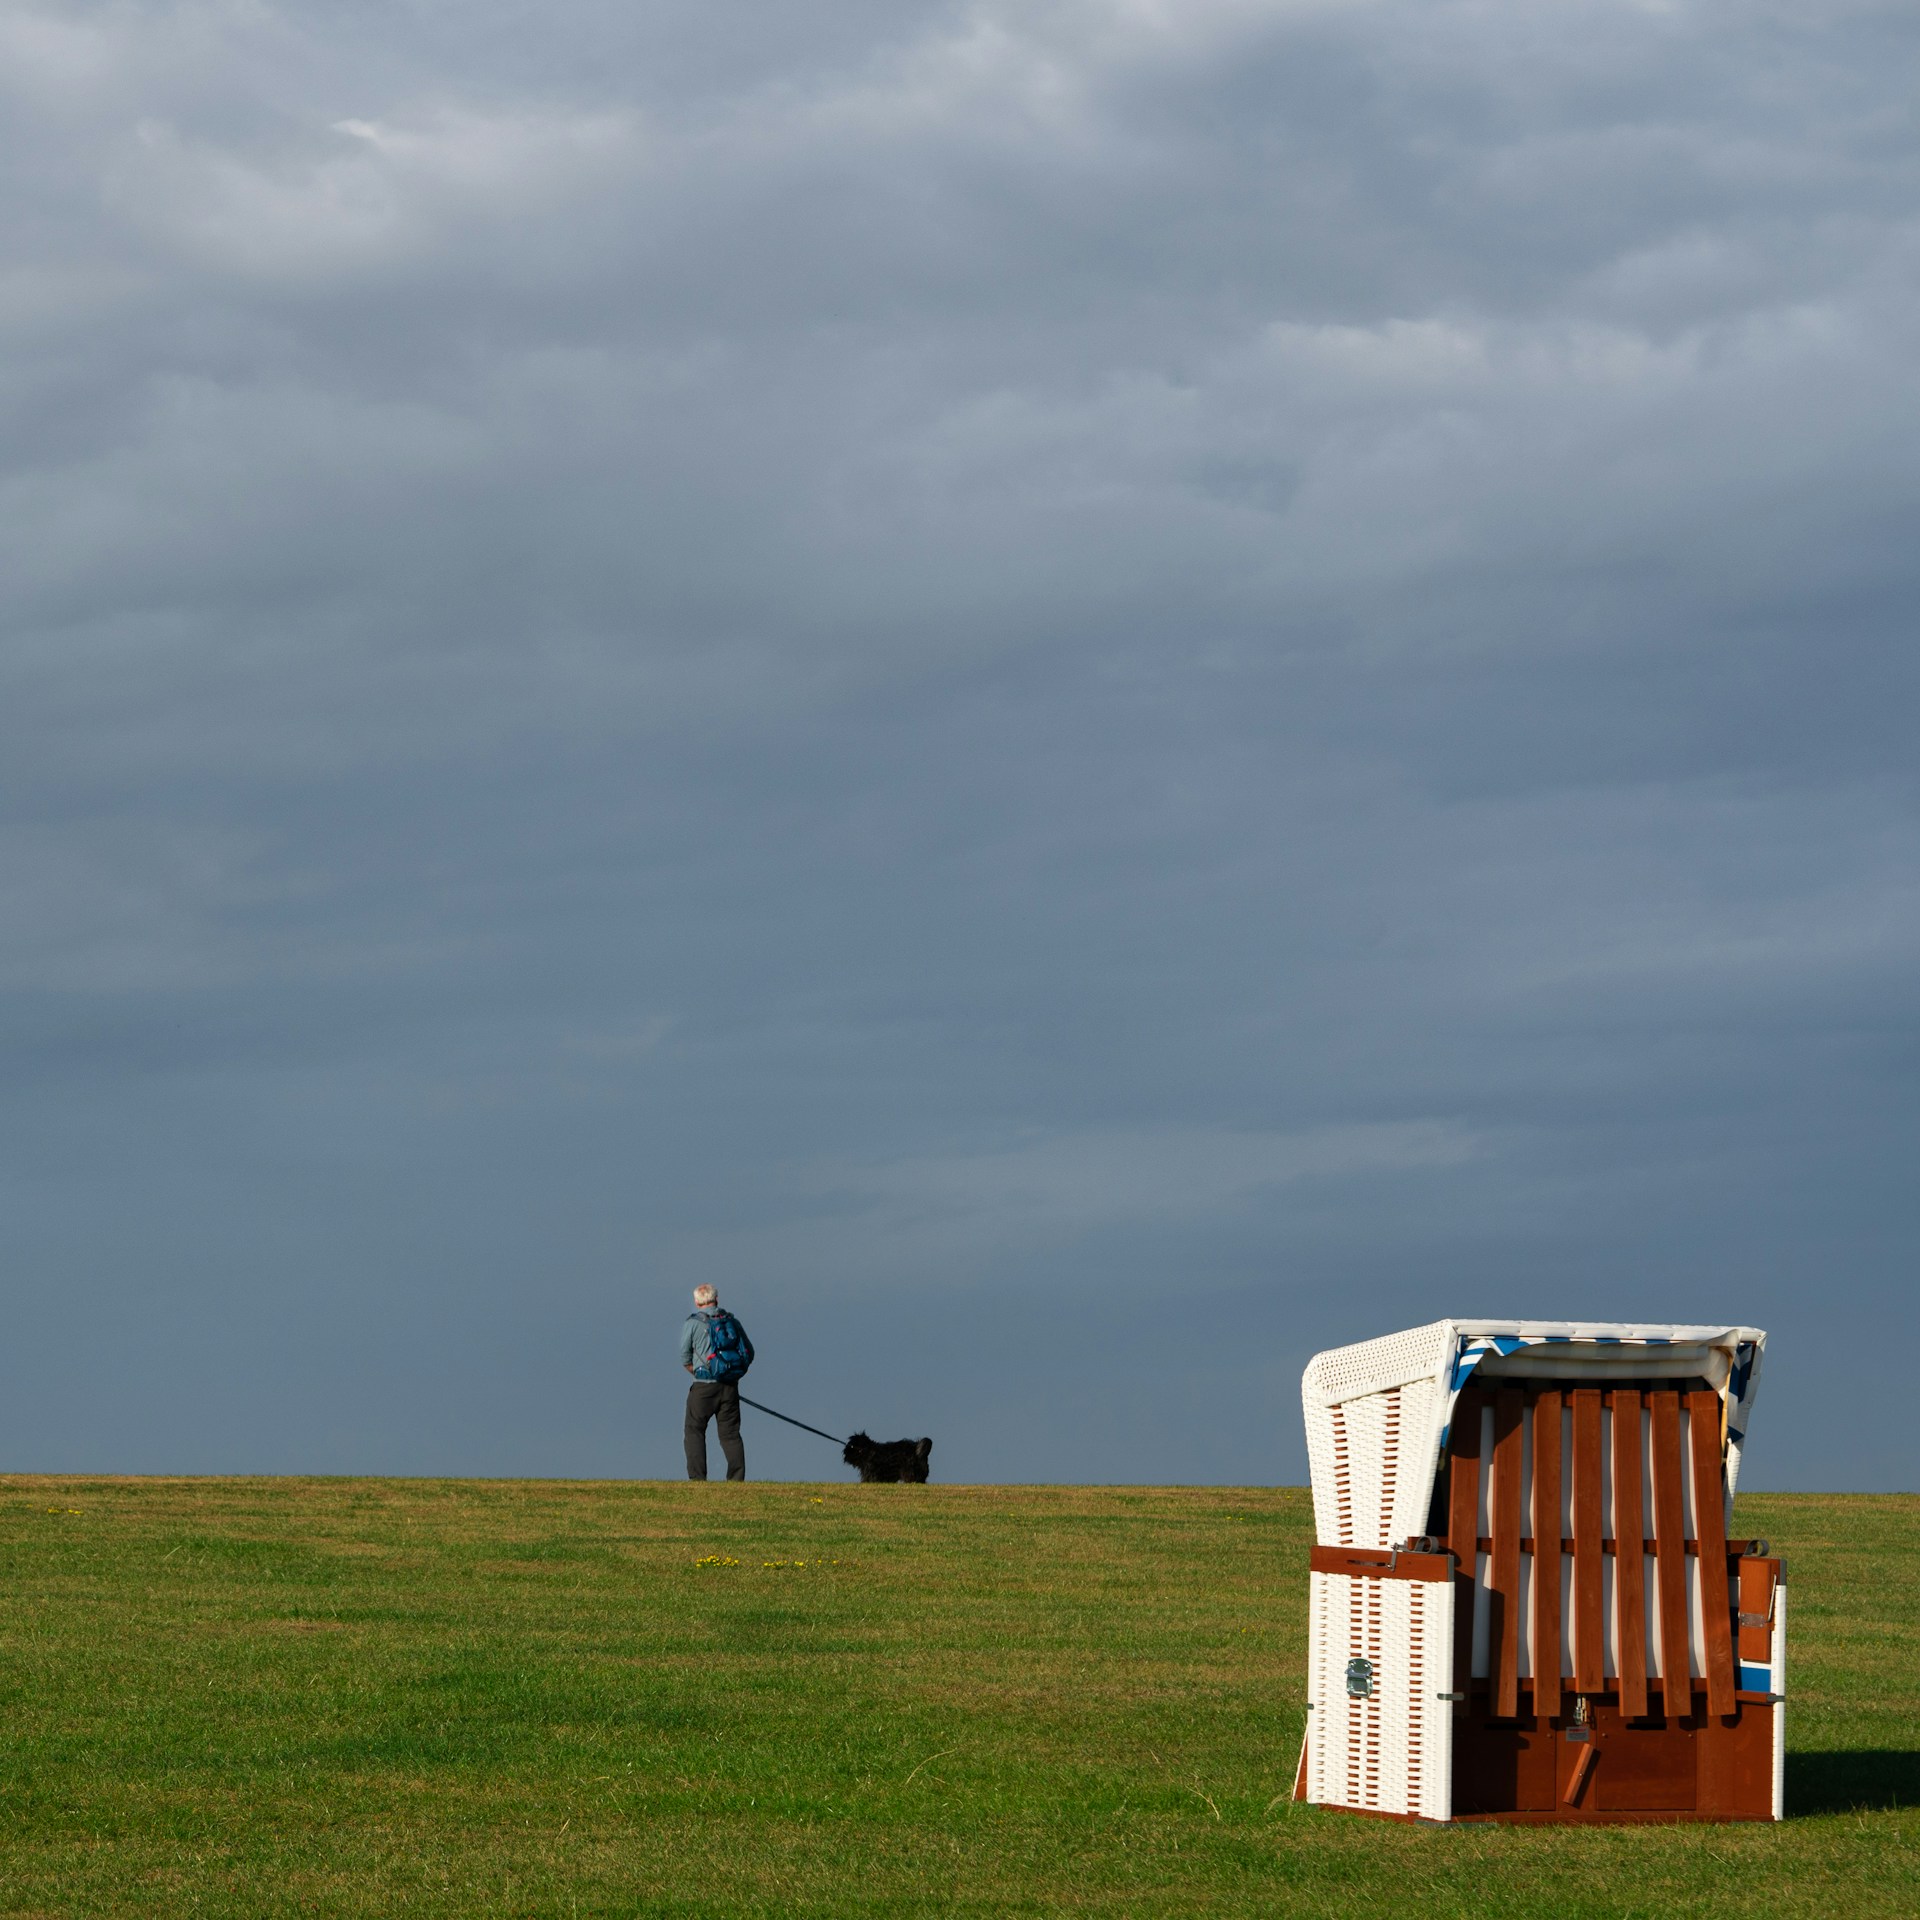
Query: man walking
x=714, y=1348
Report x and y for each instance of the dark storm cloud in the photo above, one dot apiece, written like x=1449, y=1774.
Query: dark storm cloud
x=1081, y=695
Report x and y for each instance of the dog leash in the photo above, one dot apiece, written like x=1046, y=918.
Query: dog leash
x=791, y=1421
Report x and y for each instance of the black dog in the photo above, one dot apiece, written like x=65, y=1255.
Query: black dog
x=889, y=1459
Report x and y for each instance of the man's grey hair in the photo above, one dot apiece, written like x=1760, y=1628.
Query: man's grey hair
x=706, y=1296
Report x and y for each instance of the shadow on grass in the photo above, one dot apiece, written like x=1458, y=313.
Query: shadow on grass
x=1840, y=1782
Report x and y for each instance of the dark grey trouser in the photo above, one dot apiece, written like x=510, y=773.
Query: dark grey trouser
x=705, y=1400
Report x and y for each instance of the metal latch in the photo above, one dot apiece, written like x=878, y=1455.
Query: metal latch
x=1359, y=1678
x=1756, y=1619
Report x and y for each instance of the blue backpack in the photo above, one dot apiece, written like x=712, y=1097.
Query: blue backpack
x=732, y=1351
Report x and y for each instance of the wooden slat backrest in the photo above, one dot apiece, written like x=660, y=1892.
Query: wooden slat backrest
x=1669, y=1549
x=1629, y=1556
x=1463, y=1485
x=1546, y=1552
x=1710, y=1531
x=1589, y=1565
x=1463, y=1530
x=1503, y=1568
x=1659, y=1461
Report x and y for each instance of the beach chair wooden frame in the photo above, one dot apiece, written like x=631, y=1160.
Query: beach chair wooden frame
x=1524, y=1605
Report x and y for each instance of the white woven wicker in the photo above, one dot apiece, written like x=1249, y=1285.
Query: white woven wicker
x=1390, y=1749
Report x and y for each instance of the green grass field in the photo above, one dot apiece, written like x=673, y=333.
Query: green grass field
x=264, y=1697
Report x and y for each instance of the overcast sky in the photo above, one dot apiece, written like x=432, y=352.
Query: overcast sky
x=1083, y=696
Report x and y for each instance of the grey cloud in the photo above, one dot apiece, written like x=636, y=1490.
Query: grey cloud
x=924, y=660
x=1073, y=1180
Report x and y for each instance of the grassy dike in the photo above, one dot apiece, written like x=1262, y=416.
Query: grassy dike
x=362, y=1697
